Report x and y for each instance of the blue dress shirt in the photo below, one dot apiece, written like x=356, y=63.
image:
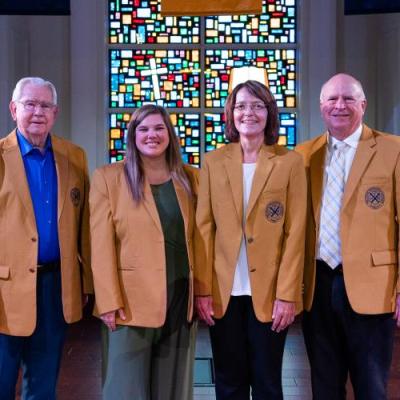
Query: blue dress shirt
x=41, y=174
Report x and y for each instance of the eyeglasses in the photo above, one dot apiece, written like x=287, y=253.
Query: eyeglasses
x=257, y=107
x=31, y=106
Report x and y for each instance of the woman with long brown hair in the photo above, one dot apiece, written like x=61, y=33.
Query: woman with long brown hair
x=142, y=224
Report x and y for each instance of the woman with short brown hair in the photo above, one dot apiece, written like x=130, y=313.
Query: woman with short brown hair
x=251, y=218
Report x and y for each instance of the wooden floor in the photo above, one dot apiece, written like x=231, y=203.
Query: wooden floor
x=80, y=377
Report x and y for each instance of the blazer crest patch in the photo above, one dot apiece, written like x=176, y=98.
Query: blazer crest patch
x=274, y=211
x=75, y=195
x=374, y=198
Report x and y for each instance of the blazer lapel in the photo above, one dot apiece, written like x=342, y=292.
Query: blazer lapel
x=317, y=163
x=150, y=205
x=183, y=200
x=233, y=168
x=365, y=151
x=62, y=166
x=263, y=171
x=15, y=165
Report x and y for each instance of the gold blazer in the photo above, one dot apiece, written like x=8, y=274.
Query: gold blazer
x=19, y=237
x=129, y=268
x=369, y=220
x=274, y=227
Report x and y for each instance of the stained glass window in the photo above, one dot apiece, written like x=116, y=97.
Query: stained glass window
x=187, y=126
x=184, y=64
x=117, y=135
x=214, y=131
x=277, y=24
x=169, y=78
x=280, y=66
x=139, y=21
x=287, y=129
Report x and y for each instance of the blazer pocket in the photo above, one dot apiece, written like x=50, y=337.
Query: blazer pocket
x=4, y=272
x=374, y=181
x=274, y=192
x=127, y=268
x=385, y=257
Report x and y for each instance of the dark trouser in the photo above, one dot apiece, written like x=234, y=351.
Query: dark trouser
x=340, y=341
x=247, y=354
x=40, y=353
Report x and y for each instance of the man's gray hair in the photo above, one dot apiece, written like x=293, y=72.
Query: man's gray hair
x=36, y=81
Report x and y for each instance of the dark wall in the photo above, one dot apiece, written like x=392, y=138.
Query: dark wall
x=35, y=7
x=371, y=6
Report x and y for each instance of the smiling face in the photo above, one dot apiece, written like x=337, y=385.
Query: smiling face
x=342, y=105
x=34, y=113
x=250, y=115
x=151, y=137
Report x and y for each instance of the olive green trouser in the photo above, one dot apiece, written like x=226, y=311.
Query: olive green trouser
x=148, y=363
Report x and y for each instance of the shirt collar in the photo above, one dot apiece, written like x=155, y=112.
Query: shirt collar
x=26, y=147
x=351, y=140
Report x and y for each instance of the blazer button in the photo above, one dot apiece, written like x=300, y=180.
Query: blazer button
x=32, y=270
x=252, y=269
x=33, y=239
x=250, y=240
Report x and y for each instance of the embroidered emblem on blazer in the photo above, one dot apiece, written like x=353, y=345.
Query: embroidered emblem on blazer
x=75, y=196
x=374, y=198
x=274, y=211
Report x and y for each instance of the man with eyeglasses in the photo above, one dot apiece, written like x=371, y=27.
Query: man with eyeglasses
x=44, y=234
x=351, y=273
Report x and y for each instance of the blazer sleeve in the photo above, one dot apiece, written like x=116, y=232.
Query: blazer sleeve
x=104, y=258
x=84, y=233
x=290, y=275
x=204, y=236
x=397, y=185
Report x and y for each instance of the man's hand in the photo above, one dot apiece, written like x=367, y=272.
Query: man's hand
x=109, y=318
x=283, y=314
x=204, y=309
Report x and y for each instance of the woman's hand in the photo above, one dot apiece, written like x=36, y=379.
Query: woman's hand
x=109, y=318
x=204, y=309
x=283, y=314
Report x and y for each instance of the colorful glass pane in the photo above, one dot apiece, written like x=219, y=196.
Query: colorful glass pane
x=117, y=135
x=287, y=129
x=170, y=78
x=187, y=128
x=279, y=63
x=139, y=21
x=277, y=24
x=215, y=138
x=214, y=131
